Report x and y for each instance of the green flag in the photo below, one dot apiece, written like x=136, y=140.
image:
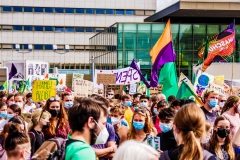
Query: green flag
x=4, y=86
x=168, y=78
x=205, y=53
x=185, y=92
x=147, y=89
x=22, y=87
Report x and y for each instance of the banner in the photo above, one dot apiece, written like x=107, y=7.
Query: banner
x=81, y=88
x=43, y=90
x=124, y=76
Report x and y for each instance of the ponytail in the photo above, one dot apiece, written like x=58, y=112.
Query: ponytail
x=230, y=103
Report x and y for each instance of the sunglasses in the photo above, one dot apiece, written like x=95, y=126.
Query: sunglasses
x=56, y=98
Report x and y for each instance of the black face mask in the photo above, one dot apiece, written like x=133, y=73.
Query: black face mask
x=223, y=133
x=54, y=112
x=93, y=135
x=46, y=126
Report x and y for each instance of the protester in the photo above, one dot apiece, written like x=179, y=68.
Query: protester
x=188, y=129
x=161, y=97
x=221, y=101
x=144, y=101
x=19, y=100
x=175, y=105
x=153, y=99
x=110, y=94
x=136, y=99
x=59, y=126
x=67, y=100
x=208, y=129
x=170, y=99
x=29, y=107
x=231, y=110
x=13, y=110
x=3, y=115
x=155, y=118
x=3, y=96
x=20, y=121
x=132, y=150
x=127, y=104
x=40, y=120
x=161, y=105
x=186, y=101
x=10, y=99
x=118, y=97
x=100, y=92
x=120, y=129
x=17, y=144
x=220, y=143
x=87, y=119
x=167, y=139
x=210, y=101
x=140, y=127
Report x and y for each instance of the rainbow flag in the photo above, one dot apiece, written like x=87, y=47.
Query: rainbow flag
x=161, y=53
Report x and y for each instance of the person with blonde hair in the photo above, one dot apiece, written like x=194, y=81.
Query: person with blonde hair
x=220, y=143
x=231, y=110
x=39, y=120
x=189, y=130
x=132, y=150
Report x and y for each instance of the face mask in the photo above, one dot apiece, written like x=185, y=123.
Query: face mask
x=143, y=104
x=213, y=103
x=223, y=133
x=31, y=101
x=100, y=94
x=206, y=140
x=155, y=111
x=238, y=108
x=103, y=135
x=9, y=116
x=54, y=113
x=110, y=96
x=128, y=103
x=114, y=120
x=20, y=104
x=221, y=104
x=138, y=125
x=176, y=110
x=68, y=104
x=3, y=114
x=165, y=127
x=11, y=102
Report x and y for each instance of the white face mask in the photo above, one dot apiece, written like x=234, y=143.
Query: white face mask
x=103, y=135
x=110, y=96
x=20, y=104
x=114, y=120
x=221, y=104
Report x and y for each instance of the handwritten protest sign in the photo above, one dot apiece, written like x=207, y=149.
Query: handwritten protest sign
x=217, y=88
x=43, y=90
x=80, y=88
x=106, y=78
x=116, y=88
x=76, y=76
x=133, y=88
x=90, y=88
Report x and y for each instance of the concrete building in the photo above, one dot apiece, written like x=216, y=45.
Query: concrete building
x=44, y=23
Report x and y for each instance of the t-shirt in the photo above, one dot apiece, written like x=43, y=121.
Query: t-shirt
x=234, y=120
x=128, y=115
x=29, y=109
x=37, y=139
x=224, y=153
x=210, y=116
x=79, y=150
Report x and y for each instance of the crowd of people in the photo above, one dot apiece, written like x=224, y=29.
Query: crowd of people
x=118, y=127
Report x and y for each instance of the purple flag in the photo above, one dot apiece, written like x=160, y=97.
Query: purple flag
x=135, y=66
x=12, y=72
x=166, y=54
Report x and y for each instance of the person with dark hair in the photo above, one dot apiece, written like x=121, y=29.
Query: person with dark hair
x=170, y=99
x=118, y=97
x=29, y=107
x=110, y=94
x=10, y=99
x=136, y=97
x=67, y=100
x=3, y=115
x=186, y=101
x=175, y=105
x=13, y=110
x=19, y=99
x=127, y=104
x=87, y=119
x=161, y=105
x=144, y=101
x=155, y=119
x=167, y=140
x=153, y=99
x=3, y=96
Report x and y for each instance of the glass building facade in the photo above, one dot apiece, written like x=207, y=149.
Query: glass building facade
x=122, y=42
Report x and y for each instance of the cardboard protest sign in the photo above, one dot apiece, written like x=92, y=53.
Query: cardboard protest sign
x=217, y=88
x=133, y=88
x=116, y=88
x=154, y=142
x=90, y=88
x=106, y=78
x=76, y=76
x=43, y=90
x=81, y=88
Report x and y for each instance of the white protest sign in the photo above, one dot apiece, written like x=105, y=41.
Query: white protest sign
x=81, y=88
x=124, y=76
x=76, y=76
x=90, y=88
x=133, y=88
x=217, y=88
x=202, y=82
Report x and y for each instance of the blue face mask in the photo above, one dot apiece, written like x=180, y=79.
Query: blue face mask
x=165, y=127
x=155, y=111
x=143, y=104
x=9, y=116
x=213, y=103
x=3, y=114
x=68, y=104
x=31, y=101
x=138, y=125
x=128, y=103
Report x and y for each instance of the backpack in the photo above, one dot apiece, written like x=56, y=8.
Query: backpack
x=52, y=149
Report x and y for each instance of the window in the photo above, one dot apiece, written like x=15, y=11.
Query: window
x=27, y=28
x=109, y=11
x=139, y=12
x=7, y=28
x=38, y=9
x=99, y=11
x=77, y=67
x=59, y=10
x=59, y=29
x=28, y=9
x=6, y=46
x=17, y=9
x=17, y=28
x=87, y=67
x=38, y=28
x=89, y=29
x=149, y=13
x=48, y=10
x=38, y=46
x=6, y=9
x=129, y=12
x=25, y=46
x=48, y=28
x=69, y=29
x=89, y=11
x=69, y=10
x=14, y=46
x=80, y=10
x=120, y=11
x=48, y=47
x=82, y=67
x=79, y=29
x=99, y=29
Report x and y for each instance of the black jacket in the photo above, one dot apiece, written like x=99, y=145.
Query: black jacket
x=167, y=140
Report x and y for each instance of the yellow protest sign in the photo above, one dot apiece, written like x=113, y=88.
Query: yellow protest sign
x=219, y=78
x=43, y=90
